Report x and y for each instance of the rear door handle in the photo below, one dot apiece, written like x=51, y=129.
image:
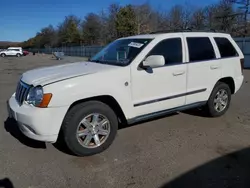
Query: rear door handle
x=178, y=73
x=214, y=67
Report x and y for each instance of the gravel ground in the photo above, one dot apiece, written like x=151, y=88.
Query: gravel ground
x=181, y=150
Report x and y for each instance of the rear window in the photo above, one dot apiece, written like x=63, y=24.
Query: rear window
x=200, y=49
x=225, y=47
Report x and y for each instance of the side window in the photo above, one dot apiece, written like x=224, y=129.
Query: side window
x=225, y=47
x=200, y=49
x=171, y=49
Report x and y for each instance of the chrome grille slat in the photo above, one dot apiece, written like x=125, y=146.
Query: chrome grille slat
x=26, y=94
x=17, y=92
x=22, y=92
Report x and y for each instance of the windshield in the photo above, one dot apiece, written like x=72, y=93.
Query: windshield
x=120, y=52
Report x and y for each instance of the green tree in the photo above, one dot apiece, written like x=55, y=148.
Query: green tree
x=125, y=22
x=91, y=28
x=69, y=31
x=120, y=21
x=48, y=36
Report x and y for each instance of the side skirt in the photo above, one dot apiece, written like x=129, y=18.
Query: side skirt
x=165, y=112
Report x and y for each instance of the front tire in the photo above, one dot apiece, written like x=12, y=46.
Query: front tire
x=3, y=55
x=89, y=128
x=219, y=100
x=18, y=55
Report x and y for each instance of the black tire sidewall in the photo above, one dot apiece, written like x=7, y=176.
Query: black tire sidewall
x=76, y=115
x=18, y=55
x=3, y=55
x=210, y=104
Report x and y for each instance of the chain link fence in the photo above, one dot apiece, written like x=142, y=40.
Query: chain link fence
x=89, y=51
x=81, y=51
x=244, y=44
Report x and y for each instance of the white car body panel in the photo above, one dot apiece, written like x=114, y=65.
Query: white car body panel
x=155, y=85
x=128, y=85
x=12, y=51
x=46, y=75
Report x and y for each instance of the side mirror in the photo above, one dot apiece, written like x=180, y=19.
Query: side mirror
x=154, y=61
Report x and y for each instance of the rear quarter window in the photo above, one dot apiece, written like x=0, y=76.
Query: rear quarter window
x=225, y=47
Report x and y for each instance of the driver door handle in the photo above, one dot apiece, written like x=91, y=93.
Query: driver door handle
x=178, y=73
x=214, y=67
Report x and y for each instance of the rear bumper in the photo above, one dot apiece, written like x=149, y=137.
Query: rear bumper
x=238, y=82
x=41, y=124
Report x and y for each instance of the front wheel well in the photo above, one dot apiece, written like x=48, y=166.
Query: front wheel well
x=230, y=82
x=108, y=100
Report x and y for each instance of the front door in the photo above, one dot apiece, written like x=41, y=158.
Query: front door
x=164, y=87
x=9, y=52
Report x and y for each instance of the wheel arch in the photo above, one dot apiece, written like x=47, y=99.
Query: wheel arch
x=108, y=100
x=230, y=82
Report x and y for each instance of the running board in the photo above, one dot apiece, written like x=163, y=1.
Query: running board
x=165, y=112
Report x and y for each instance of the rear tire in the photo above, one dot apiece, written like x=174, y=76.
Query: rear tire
x=98, y=119
x=3, y=55
x=219, y=100
x=18, y=55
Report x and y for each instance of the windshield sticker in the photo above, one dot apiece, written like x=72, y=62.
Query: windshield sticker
x=135, y=44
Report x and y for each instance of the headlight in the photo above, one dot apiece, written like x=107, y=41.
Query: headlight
x=35, y=96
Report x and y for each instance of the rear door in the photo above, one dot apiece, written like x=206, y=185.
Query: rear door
x=204, y=69
x=231, y=59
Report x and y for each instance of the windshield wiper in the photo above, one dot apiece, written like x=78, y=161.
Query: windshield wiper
x=96, y=61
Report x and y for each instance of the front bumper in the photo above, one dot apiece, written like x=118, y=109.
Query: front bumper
x=41, y=124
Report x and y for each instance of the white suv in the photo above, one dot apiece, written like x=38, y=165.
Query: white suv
x=12, y=51
x=130, y=80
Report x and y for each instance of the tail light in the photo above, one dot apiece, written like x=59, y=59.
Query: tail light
x=242, y=64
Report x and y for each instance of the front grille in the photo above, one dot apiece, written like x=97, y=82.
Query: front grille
x=21, y=92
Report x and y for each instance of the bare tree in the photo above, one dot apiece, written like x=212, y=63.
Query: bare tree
x=107, y=25
x=225, y=15
x=163, y=21
x=91, y=28
x=111, y=22
x=179, y=17
x=104, y=30
x=143, y=15
x=198, y=19
x=210, y=19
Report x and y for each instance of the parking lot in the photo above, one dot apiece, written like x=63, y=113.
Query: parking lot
x=182, y=150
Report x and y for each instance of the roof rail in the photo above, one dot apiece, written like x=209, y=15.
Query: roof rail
x=183, y=30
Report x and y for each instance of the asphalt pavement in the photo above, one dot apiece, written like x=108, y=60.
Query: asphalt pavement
x=181, y=150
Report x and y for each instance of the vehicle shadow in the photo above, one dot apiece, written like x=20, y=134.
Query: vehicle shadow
x=196, y=112
x=11, y=126
x=61, y=145
x=229, y=171
x=6, y=183
x=125, y=125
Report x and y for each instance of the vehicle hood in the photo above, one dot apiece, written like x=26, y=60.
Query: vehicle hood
x=47, y=75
